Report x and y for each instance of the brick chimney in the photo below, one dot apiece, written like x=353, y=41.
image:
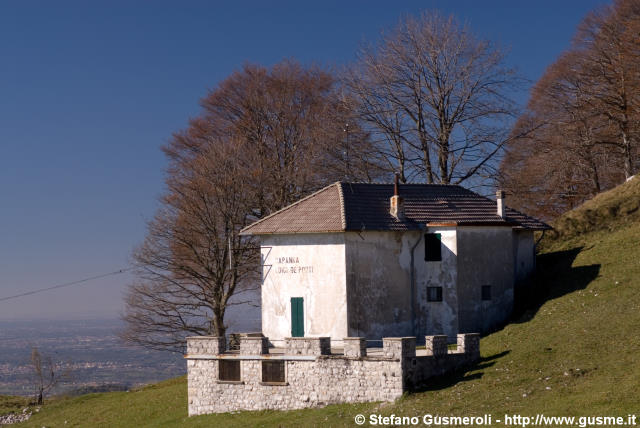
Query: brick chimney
x=500, y=202
x=397, y=202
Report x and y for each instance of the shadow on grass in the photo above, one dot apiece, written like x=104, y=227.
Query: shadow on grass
x=555, y=277
x=463, y=374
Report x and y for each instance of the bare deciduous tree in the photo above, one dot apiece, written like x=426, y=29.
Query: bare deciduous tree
x=586, y=111
x=436, y=99
x=292, y=120
x=560, y=162
x=264, y=139
x=45, y=374
x=192, y=261
x=608, y=41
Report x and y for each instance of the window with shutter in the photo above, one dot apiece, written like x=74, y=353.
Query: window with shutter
x=297, y=317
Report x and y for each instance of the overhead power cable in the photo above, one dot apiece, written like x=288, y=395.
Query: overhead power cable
x=66, y=284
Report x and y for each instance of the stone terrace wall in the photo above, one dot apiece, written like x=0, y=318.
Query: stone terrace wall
x=309, y=384
x=313, y=377
x=418, y=370
x=202, y=345
x=307, y=346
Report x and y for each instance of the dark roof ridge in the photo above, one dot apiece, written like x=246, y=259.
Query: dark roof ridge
x=404, y=184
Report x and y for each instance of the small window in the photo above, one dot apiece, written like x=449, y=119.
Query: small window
x=229, y=370
x=434, y=294
x=486, y=292
x=432, y=247
x=273, y=372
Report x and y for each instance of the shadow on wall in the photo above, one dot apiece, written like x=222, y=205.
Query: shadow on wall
x=462, y=375
x=555, y=277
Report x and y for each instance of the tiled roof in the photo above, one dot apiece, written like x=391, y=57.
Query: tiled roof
x=362, y=206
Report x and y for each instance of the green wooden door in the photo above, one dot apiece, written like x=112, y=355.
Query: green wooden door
x=297, y=317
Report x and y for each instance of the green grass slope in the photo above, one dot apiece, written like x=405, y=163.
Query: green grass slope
x=12, y=404
x=607, y=211
x=574, y=350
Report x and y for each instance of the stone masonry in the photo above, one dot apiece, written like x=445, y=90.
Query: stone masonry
x=313, y=375
x=254, y=346
x=308, y=345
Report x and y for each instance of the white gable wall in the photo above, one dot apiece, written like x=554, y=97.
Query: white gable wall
x=311, y=266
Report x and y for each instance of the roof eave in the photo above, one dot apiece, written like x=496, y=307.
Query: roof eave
x=534, y=228
x=289, y=232
x=400, y=227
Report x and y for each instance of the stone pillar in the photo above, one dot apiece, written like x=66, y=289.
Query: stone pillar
x=213, y=345
x=254, y=345
x=307, y=346
x=399, y=347
x=469, y=343
x=436, y=345
x=355, y=347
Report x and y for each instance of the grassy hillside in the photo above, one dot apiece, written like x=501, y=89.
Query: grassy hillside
x=10, y=404
x=607, y=211
x=574, y=350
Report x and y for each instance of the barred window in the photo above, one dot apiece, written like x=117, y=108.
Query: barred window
x=434, y=294
x=273, y=371
x=229, y=370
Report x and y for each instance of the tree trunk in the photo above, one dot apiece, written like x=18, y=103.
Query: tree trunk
x=595, y=179
x=443, y=162
x=219, y=329
x=628, y=160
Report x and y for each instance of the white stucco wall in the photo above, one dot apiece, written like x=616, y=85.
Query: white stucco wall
x=379, y=284
x=485, y=257
x=439, y=317
x=311, y=266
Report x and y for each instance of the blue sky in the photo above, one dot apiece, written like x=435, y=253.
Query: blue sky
x=90, y=91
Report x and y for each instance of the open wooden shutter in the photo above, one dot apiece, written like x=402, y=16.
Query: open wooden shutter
x=297, y=317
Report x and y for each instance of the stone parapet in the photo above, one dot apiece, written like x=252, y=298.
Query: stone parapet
x=254, y=345
x=307, y=346
x=469, y=343
x=399, y=347
x=436, y=345
x=307, y=375
x=355, y=347
x=206, y=345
